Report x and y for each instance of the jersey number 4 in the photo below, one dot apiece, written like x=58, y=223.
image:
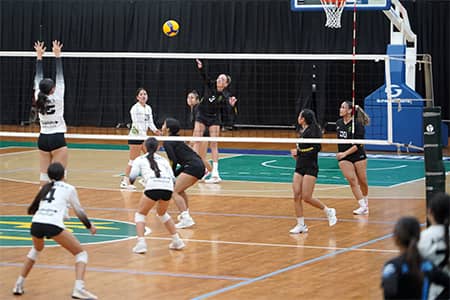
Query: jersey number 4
x=50, y=196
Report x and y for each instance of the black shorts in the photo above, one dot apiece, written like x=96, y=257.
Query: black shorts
x=210, y=120
x=354, y=157
x=307, y=168
x=156, y=195
x=52, y=141
x=135, y=142
x=195, y=168
x=41, y=230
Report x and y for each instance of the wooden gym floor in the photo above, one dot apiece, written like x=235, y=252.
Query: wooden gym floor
x=239, y=248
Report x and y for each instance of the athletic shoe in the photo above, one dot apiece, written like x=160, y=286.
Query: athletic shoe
x=363, y=208
x=83, y=294
x=18, y=289
x=205, y=175
x=331, y=215
x=185, y=221
x=213, y=179
x=126, y=186
x=177, y=244
x=140, y=248
x=299, y=228
x=142, y=181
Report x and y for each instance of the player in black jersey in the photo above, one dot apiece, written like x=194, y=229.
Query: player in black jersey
x=306, y=171
x=193, y=99
x=352, y=157
x=187, y=166
x=215, y=96
x=408, y=276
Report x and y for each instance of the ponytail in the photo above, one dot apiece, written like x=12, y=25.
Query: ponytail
x=41, y=102
x=413, y=259
x=151, y=144
x=32, y=209
x=361, y=116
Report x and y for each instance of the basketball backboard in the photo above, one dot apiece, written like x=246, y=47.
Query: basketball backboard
x=315, y=5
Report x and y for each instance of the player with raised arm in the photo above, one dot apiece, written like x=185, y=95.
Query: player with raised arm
x=306, y=171
x=142, y=119
x=187, y=166
x=49, y=209
x=215, y=95
x=352, y=157
x=50, y=105
x=159, y=181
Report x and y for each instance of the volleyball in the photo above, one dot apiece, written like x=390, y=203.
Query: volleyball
x=170, y=28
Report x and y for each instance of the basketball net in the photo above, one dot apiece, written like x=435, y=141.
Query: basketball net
x=333, y=10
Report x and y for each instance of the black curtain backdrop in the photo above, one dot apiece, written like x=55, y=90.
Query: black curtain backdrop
x=100, y=92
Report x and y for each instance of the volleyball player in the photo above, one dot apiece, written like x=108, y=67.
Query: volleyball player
x=306, y=171
x=50, y=105
x=193, y=99
x=142, y=120
x=48, y=209
x=352, y=158
x=215, y=95
x=190, y=170
x=408, y=276
x=434, y=242
x=158, y=177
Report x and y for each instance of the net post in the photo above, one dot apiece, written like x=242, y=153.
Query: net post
x=387, y=70
x=434, y=166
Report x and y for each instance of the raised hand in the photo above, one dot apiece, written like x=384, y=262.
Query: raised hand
x=40, y=49
x=199, y=63
x=57, y=46
x=232, y=101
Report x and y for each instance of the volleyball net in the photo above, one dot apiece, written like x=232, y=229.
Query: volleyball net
x=271, y=90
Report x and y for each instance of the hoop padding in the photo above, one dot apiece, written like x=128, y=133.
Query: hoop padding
x=333, y=10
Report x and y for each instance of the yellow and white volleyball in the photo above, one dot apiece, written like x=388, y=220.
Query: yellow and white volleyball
x=171, y=28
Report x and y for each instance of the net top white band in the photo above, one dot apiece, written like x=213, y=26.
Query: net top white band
x=226, y=56
x=205, y=139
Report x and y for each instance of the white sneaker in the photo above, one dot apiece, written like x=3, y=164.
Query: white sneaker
x=331, y=215
x=299, y=228
x=140, y=248
x=83, y=294
x=185, y=222
x=177, y=244
x=142, y=181
x=206, y=175
x=214, y=179
x=18, y=289
x=363, y=208
x=126, y=186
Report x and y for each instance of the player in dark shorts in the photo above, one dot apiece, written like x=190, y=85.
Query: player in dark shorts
x=352, y=157
x=190, y=170
x=215, y=97
x=306, y=170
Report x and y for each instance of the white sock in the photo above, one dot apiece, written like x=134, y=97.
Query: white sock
x=141, y=239
x=20, y=280
x=325, y=209
x=215, y=170
x=366, y=199
x=185, y=213
x=79, y=284
x=363, y=200
x=175, y=236
x=301, y=220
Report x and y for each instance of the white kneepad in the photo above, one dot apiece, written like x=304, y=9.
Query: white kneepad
x=164, y=218
x=139, y=218
x=44, y=177
x=81, y=257
x=33, y=254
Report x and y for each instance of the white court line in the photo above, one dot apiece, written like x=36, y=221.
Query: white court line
x=19, y=152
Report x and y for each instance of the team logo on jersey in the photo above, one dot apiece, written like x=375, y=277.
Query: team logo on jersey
x=212, y=98
x=15, y=231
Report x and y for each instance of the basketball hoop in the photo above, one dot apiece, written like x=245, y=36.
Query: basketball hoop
x=333, y=10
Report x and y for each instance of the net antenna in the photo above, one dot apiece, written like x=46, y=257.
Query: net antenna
x=333, y=10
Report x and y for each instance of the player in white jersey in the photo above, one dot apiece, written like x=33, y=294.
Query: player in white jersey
x=434, y=242
x=159, y=182
x=48, y=210
x=142, y=120
x=50, y=104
